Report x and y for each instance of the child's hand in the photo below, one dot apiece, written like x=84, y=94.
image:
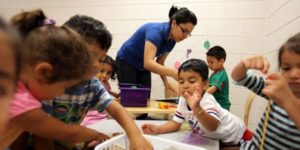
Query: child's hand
x=278, y=90
x=101, y=138
x=150, y=129
x=193, y=100
x=258, y=63
x=140, y=143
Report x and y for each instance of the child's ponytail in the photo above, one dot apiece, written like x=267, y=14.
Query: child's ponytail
x=27, y=21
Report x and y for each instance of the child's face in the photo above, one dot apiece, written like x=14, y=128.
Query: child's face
x=7, y=77
x=189, y=80
x=105, y=72
x=214, y=64
x=290, y=68
x=97, y=55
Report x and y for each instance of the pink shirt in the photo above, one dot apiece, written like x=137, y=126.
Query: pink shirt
x=23, y=101
x=93, y=116
x=107, y=86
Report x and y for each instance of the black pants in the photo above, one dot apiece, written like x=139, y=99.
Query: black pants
x=128, y=74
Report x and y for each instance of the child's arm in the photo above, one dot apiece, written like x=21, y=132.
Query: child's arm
x=211, y=89
x=208, y=121
x=114, y=94
x=255, y=62
x=170, y=126
x=278, y=90
x=41, y=124
x=137, y=141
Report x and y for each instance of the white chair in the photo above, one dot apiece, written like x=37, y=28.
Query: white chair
x=247, y=107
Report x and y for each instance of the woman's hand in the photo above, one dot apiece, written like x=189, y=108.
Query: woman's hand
x=172, y=89
x=257, y=62
x=174, y=74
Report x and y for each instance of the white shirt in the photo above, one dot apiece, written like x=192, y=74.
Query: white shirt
x=230, y=128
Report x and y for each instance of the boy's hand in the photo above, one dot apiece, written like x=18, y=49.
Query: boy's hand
x=193, y=100
x=101, y=138
x=140, y=143
x=278, y=90
x=150, y=129
x=258, y=63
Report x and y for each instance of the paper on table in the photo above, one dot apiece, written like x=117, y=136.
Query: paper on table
x=170, y=100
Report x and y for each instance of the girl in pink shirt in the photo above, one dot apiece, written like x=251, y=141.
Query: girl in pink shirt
x=49, y=68
x=108, y=70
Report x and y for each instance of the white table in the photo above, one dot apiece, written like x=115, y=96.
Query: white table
x=110, y=126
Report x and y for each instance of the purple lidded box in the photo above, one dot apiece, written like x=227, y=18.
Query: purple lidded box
x=134, y=95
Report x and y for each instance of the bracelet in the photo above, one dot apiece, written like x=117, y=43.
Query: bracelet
x=200, y=112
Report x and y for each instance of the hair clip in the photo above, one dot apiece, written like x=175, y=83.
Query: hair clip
x=48, y=21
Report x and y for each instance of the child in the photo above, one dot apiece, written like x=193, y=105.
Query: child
x=107, y=70
x=279, y=128
x=10, y=60
x=90, y=94
x=46, y=73
x=218, y=81
x=204, y=115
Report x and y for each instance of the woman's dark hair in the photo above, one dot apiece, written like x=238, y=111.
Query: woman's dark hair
x=196, y=65
x=92, y=30
x=15, y=43
x=61, y=47
x=292, y=44
x=182, y=15
x=110, y=61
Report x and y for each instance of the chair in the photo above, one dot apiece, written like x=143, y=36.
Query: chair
x=247, y=107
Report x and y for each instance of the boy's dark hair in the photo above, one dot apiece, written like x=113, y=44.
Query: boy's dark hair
x=110, y=61
x=92, y=30
x=182, y=15
x=196, y=65
x=218, y=52
x=292, y=44
x=61, y=47
x=15, y=43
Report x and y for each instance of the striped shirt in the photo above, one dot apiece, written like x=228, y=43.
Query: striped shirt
x=230, y=128
x=281, y=132
x=76, y=101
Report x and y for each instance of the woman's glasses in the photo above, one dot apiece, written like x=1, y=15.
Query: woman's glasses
x=185, y=32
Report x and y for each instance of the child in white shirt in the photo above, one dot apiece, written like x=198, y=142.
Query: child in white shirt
x=202, y=112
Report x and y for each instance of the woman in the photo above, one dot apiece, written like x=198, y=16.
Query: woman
x=136, y=58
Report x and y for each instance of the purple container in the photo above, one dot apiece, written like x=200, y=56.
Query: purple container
x=134, y=95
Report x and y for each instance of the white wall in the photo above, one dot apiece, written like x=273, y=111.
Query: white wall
x=242, y=27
